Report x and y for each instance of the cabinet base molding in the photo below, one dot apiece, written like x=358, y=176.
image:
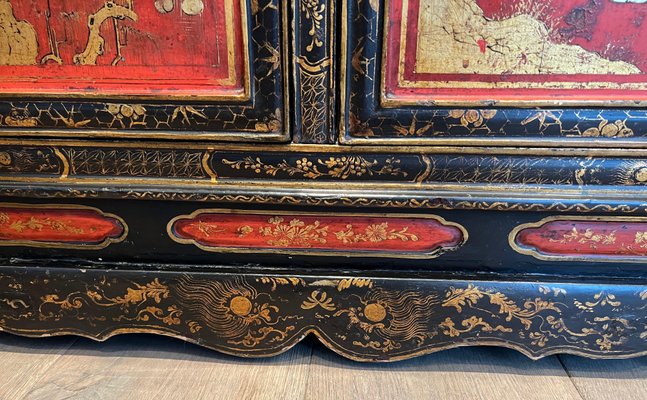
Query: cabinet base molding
x=364, y=318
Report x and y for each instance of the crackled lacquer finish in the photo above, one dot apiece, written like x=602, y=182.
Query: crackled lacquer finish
x=185, y=47
x=361, y=318
x=584, y=238
x=351, y=234
x=59, y=226
x=516, y=50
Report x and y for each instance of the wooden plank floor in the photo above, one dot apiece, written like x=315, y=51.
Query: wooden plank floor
x=150, y=367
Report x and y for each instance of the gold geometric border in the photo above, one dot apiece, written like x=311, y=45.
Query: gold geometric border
x=512, y=240
x=368, y=254
x=60, y=245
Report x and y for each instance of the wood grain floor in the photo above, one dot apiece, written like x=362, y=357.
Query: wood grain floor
x=150, y=367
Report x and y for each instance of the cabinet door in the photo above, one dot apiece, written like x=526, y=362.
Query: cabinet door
x=490, y=72
x=189, y=69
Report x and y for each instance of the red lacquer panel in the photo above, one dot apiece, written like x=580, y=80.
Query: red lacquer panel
x=536, y=52
x=172, y=48
x=584, y=238
x=399, y=236
x=61, y=226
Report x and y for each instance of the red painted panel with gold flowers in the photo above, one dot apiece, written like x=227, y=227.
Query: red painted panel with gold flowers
x=62, y=226
x=320, y=234
x=622, y=239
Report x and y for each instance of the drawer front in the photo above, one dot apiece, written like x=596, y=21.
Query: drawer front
x=480, y=72
x=189, y=69
x=578, y=243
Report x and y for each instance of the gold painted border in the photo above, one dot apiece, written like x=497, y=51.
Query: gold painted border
x=379, y=146
x=512, y=240
x=350, y=253
x=60, y=245
x=390, y=101
x=415, y=189
x=328, y=343
x=245, y=95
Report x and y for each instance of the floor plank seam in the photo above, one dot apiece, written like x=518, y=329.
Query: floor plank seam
x=309, y=369
x=570, y=377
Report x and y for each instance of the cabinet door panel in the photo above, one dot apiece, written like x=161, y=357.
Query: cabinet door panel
x=131, y=68
x=549, y=72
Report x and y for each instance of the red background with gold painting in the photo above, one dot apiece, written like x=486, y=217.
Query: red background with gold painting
x=546, y=50
x=192, y=47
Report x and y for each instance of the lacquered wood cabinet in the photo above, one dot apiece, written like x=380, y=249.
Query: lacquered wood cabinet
x=395, y=177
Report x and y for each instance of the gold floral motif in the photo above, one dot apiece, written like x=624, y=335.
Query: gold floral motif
x=134, y=112
x=187, y=112
x=244, y=230
x=471, y=295
x=357, y=317
x=37, y=224
x=360, y=65
x=169, y=317
x=272, y=123
x=472, y=117
x=617, y=129
x=541, y=117
x=641, y=239
x=601, y=299
x=207, y=229
x=294, y=234
x=21, y=119
x=555, y=291
x=314, y=12
x=375, y=233
x=5, y=158
x=280, y=281
x=259, y=315
x=605, y=327
x=470, y=324
x=341, y=167
x=318, y=299
x=413, y=129
x=344, y=284
x=194, y=326
x=357, y=127
x=154, y=290
x=589, y=236
x=69, y=120
x=134, y=298
x=251, y=341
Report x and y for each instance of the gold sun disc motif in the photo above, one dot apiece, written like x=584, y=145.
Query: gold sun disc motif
x=375, y=312
x=240, y=306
